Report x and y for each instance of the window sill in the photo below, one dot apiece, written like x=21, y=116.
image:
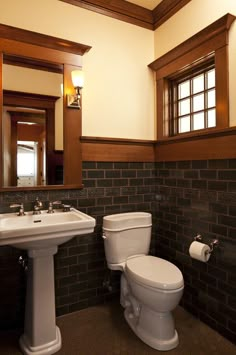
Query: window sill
x=214, y=132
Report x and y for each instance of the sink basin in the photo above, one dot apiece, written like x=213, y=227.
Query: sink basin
x=43, y=230
x=40, y=235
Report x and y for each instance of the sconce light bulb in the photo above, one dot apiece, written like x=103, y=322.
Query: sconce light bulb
x=77, y=77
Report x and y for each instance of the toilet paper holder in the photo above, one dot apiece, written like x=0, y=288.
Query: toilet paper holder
x=212, y=245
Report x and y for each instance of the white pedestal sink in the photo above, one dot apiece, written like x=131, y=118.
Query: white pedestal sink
x=40, y=235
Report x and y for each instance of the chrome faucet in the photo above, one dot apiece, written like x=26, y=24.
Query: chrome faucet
x=37, y=206
x=51, y=204
x=21, y=208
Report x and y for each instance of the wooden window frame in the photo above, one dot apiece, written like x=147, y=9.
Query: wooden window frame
x=174, y=99
x=211, y=41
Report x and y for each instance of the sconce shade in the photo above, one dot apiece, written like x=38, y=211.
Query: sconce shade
x=77, y=77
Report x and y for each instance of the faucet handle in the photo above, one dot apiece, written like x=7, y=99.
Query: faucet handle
x=66, y=208
x=21, y=208
x=51, y=204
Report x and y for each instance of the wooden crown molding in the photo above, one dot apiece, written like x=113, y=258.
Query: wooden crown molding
x=38, y=39
x=119, y=9
x=132, y=13
x=165, y=10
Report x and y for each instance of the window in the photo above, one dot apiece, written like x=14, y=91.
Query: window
x=192, y=84
x=193, y=101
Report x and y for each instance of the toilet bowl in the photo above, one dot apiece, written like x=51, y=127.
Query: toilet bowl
x=157, y=286
x=151, y=287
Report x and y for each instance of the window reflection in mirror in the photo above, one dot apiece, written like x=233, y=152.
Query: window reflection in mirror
x=28, y=158
x=32, y=112
x=25, y=142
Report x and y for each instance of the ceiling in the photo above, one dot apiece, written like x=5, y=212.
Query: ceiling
x=148, y=4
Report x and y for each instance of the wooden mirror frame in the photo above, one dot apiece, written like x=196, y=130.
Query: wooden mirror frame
x=63, y=53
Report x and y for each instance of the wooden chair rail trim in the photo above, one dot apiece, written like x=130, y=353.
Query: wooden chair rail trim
x=108, y=140
x=30, y=37
x=132, y=13
x=218, y=144
x=115, y=149
x=218, y=147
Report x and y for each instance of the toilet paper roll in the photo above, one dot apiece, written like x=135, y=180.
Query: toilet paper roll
x=199, y=251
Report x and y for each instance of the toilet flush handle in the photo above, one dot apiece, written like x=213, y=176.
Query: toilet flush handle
x=104, y=237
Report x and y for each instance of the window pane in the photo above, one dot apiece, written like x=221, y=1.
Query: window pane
x=25, y=163
x=211, y=79
x=211, y=98
x=184, y=89
x=184, y=107
x=198, y=121
x=194, y=103
x=211, y=118
x=198, y=102
x=184, y=124
x=198, y=83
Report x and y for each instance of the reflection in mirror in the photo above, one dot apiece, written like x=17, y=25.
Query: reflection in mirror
x=27, y=164
x=32, y=123
x=24, y=145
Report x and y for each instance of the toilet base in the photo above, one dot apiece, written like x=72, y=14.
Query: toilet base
x=155, y=329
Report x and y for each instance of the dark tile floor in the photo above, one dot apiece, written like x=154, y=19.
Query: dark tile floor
x=102, y=330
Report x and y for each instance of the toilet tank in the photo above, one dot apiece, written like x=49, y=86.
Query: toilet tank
x=126, y=235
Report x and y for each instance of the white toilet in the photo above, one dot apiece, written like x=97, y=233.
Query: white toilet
x=151, y=287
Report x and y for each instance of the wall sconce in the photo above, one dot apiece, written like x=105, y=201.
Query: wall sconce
x=77, y=77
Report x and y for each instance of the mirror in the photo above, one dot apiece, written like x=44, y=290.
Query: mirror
x=35, y=122
x=32, y=112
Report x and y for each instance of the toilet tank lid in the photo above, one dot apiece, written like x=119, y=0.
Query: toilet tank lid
x=155, y=272
x=122, y=221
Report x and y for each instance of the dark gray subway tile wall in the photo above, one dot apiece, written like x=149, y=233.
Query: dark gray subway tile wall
x=80, y=266
x=185, y=198
x=199, y=197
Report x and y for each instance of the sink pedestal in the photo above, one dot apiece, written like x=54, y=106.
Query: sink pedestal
x=40, y=235
x=41, y=335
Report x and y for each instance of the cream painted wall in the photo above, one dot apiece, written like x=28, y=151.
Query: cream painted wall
x=192, y=18
x=118, y=98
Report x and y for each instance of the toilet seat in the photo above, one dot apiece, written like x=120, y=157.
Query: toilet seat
x=154, y=272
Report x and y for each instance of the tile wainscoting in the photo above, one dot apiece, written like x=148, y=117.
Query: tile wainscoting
x=185, y=198
x=199, y=197
x=80, y=266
